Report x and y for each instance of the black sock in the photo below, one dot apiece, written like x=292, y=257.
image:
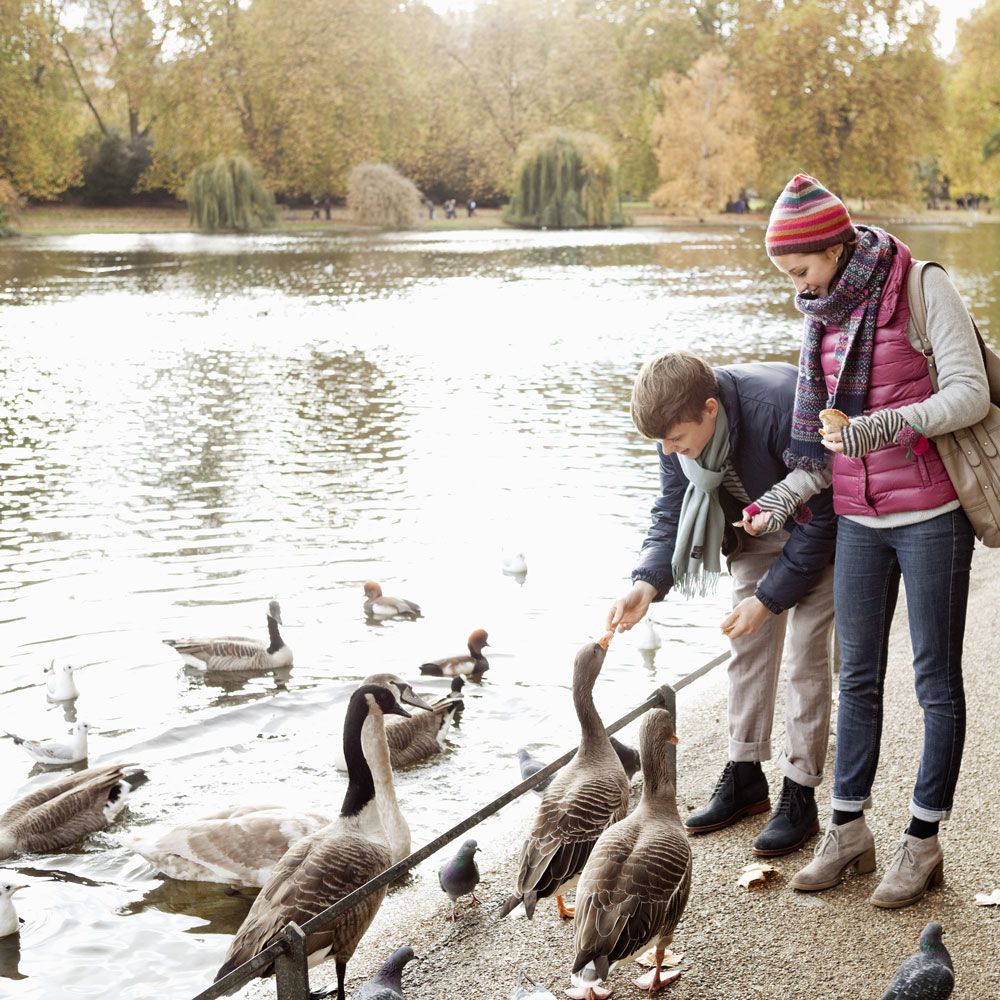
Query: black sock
x=840, y=817
x=922, y=828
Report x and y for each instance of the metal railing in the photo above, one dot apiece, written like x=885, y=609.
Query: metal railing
x=287, y=951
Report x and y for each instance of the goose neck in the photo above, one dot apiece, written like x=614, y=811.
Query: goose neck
x=360, y=783
x=274, y=635
x=586, y=711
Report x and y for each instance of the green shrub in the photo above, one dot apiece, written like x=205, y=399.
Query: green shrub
x=565, y=180
x=378, y=195
x=10, y=204
x=227, y=195
x=112, y=166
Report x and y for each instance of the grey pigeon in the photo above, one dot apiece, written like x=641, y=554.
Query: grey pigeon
x=926, y=975
x=527, y=987
x=387, y=983
x=532, y=765
x=460, y=876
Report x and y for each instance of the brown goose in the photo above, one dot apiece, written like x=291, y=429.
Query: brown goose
x=590, y=792
x=236, y=653
x=58, y=814
x=635, y=886
x=326, y=866
x=378, y=605
x=453, y=666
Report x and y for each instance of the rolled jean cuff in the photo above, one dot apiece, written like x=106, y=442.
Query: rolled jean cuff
x=749, y=751
x=800, y=777
x=928, y=815
x=851, y=805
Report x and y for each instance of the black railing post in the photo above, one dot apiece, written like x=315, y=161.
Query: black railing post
x=291, y=967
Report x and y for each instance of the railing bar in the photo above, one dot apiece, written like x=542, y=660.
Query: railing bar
x=701, y=671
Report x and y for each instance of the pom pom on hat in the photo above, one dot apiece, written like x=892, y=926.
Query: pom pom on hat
x=806, y=218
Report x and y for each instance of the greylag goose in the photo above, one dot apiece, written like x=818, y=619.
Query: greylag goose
x=635, y=885
x=472, y=663
x=387, y=983
x=587, y=795
x=460, y=875
x=241, y=846
x=236, y=653
x=59, y=683
x=58, y=814
x=325, y=866
x=10, y=922
x=378, y=605
x=55, y=752
x=532, y=765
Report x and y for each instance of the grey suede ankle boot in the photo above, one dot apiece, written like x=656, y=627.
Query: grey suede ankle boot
x=842, y=847
x=917, y=865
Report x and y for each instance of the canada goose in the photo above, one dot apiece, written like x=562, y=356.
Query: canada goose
x=10, y=922
x=60, y=813
x=232, y=652
x=635, y=885
x=466, y=665
x=59, y=683
x=325, y=866
x=588, y=794
x=55, y=752
x=378, y=605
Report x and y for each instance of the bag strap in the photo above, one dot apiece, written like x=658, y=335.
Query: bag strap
x=918, y=312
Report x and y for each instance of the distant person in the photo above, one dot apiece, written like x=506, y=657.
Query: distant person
x=720, y=433
x=430, y=208
x=315, y=209
x=328, y=207
x=470, y=207
x=900, y=517
x=449, y=209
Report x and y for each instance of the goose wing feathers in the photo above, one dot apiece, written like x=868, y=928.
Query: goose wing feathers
x=231, y=653
x=313, y=875
x=61, y=812
x=420, y=736
x=633, y=891
x=573, y=813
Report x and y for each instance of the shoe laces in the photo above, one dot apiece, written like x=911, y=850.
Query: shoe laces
x=792, y=802
x=904, y=854
x=724, y=778
x=827, y=841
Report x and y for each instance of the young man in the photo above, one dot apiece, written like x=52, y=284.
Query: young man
x=720, y=436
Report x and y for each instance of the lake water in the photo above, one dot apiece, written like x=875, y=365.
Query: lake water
x=192, y=426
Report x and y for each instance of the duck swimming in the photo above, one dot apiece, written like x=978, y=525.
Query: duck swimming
x=378, y=605
x=464, y=665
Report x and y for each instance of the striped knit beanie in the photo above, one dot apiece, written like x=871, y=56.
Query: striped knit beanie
x=806, y=218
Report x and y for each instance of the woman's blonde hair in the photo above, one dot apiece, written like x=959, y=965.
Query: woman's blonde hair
x=670, y=390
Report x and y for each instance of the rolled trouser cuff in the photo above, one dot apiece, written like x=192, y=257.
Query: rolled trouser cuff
x=928, y=815
x=800, y=777
x=851, y=805
x=749, y=751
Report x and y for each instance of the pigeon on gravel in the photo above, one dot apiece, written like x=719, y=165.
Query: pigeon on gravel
x=527, y=987
x=387, y=983
x=460, y=876
x=926, y=975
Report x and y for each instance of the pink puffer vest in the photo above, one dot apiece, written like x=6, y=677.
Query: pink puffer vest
x=886, y=481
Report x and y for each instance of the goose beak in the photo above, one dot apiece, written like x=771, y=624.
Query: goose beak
x=674, y=739
x=409, y=697
x=604, y=640
x=398, y=709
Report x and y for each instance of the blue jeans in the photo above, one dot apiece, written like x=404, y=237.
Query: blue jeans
x=933, y=557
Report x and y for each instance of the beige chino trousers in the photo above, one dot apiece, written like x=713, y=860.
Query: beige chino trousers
x=756, y=662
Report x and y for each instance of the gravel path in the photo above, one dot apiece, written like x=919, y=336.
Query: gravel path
x=769, y=942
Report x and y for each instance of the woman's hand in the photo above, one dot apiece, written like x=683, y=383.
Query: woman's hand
x=745, y=618
x=630, y=609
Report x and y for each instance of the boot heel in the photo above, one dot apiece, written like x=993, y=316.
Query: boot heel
x=937, y=876
x=864, y=864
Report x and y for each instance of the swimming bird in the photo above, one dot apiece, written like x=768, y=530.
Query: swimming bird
x=387, y=983
x=636, y=883
x=58, y=814
x=460, y=876
x=10, y=922
x=589, y=793
x=378, y=605
x=928, y=974
x=56, y=752
x=514, y=564
x=237, y=653
x=325, y=866
x=59, y=683
x=467, y=665
x=529, y=765
x=647, y=638
x=525, y=986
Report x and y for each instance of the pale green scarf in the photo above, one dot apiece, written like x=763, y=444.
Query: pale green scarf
x=696, y=564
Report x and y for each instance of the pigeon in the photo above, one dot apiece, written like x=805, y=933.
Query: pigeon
x=460, y=876
x=527, y=987
x=629, y=757
x=387, y=983
x=59, y=683
x=52, y=751
x=926, y=975
x=10, y=922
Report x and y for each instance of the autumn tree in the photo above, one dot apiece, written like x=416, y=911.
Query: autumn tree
x=704, y=138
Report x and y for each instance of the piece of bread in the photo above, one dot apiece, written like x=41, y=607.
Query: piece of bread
x=833, y=421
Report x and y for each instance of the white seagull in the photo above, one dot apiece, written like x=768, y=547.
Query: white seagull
x=59, y=683
x=10, y=922
x=55, y=752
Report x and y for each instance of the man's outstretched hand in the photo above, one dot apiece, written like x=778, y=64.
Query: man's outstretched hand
x=630, y=609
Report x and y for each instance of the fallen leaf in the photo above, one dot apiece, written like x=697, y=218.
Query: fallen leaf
x=993, y=899
x=754, y=873
x=648, y=958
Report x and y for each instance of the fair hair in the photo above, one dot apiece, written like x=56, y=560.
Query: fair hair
x=671, y=390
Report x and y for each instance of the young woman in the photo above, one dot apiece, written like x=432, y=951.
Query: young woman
x=899, y=514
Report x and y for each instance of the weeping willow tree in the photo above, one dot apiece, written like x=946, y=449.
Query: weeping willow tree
x=227, y=195
x=377, y=195
x=565, y=180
